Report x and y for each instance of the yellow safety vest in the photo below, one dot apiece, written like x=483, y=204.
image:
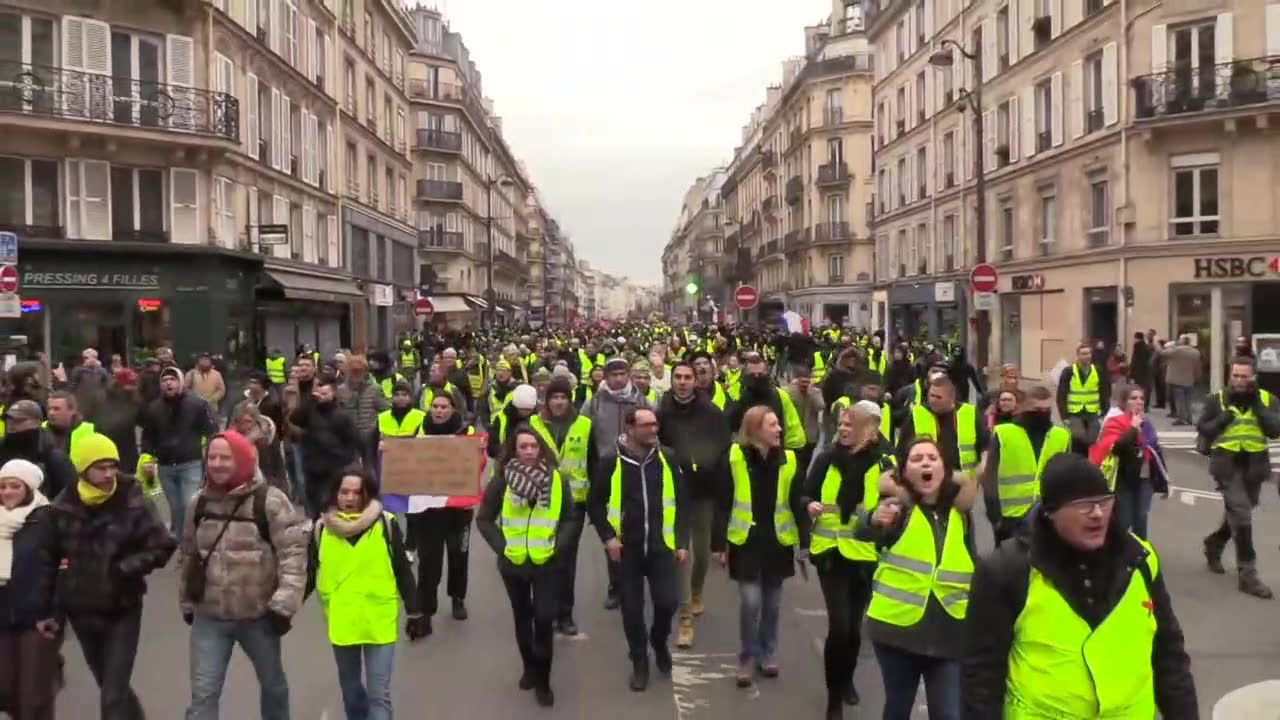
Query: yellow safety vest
x=668, y=502
x=429, y=395
x=530, y=530
x=1061, y=668
x=1083, y=395
x=909, y=572
x=741, y=518
x=925, y=423
x=718, y=396
x=496, y=406
x=819, y=367
x=733, y=383
x=276, y=371
x=829, y=532
x=794, y=437
x=1243, y=434
x=921, y=397
x=3, y=408
x=388, y=385
x=357, y=586
x=409, y=426
x=1018, y=477
x=572, y=455
x=409, y=360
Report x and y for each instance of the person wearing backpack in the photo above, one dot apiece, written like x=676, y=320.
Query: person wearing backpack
x=1073, y=618
x=244, y=569
x=359, y=566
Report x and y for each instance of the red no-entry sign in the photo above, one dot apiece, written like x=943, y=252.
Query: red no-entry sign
x=423, y=308
x=746, y=297
x=8, y=278
x=984, y=278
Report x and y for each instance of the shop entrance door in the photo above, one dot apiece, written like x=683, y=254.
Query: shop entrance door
x=1101, y=321
x=1011, y=330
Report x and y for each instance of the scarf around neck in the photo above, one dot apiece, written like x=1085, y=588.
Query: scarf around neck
x=529, y=483
x=91, y=496
x=11, y=521
x=348, y=525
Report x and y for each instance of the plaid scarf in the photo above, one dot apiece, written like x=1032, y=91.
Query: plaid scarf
x=530, y=483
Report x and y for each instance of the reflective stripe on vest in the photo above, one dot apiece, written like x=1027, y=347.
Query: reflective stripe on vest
x=668, y=502
x=925, y=423
x=1060, y=667
x=530, y=530
x=357, y=585
x=718, y=396
x=409, y=426
x=572, y=455
x=741, y=518
x=1243, y=434
x=1083, y=396
x=909, y=572
x=1018, y=476
x=829, y=532
x=276, y=371
x=409, y=360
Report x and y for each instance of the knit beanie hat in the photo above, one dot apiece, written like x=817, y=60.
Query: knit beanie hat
x=1068, y=477
x=245, y=455
x=524, y=397
x=560, y=386
x=92, y=448
x=171, y=370
x=27, y=472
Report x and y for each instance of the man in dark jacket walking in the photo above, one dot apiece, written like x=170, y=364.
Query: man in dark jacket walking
x=330, y=442
x=105, y=540
x=25, y=440
x=1140, y=366
x=638, y=503
x=1075, y=578
x=698, y=434
x=173, y=432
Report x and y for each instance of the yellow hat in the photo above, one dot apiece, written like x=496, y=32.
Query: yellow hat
x=94, y=448
x=504, y=365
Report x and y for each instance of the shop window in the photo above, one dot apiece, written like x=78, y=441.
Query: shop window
x=1195, y=198
x=152, y=328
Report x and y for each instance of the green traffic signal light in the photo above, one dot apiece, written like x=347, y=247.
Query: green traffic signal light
x=691, y=288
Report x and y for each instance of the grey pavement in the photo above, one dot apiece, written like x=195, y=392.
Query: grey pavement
x=471, y=668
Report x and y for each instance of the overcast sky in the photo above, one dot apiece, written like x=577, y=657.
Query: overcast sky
x=615, y=107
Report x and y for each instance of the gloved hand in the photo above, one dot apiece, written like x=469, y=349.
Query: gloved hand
x=188, y=617
x=415, y=627
x=280, y=624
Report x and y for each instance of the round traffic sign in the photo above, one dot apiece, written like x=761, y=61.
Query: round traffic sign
x=8, y=278
x=745, y=297
x=424, y=308
x=984, y=278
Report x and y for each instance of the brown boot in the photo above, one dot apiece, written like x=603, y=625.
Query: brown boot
x=684, y=637
x=696, y=606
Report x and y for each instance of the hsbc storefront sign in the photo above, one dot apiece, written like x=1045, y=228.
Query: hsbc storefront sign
x=1236, y=268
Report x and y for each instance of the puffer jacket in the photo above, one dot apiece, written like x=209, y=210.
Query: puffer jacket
x=245, y=576
x=104, y=553
x=607, y=409
x=362, y=402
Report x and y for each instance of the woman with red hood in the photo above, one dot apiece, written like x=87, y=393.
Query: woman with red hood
x=1136, y=468
x=244, y=569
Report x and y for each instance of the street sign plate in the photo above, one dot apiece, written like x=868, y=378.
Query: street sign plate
x=8, y=248
x=984, y=301
x=746, y=297
x=984, y=278
x=10, y=305
x=424, y=308
x=273, y=234
x=8, y=278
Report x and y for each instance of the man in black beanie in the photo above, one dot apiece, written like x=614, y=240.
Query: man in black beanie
x=1076, y=597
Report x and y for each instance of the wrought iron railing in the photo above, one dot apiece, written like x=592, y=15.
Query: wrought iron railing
x=439, y=239
x=57, y=92
x=831, y=232
x=795, y=190
x=440, y=189
x=833, y=173
x=439, y=140
x=1184, y=89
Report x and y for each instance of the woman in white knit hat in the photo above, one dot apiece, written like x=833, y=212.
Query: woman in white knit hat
x=28, y=638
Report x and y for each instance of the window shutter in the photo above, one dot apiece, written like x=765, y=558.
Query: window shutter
x=97, y=47
x=251, y=233
x=940, y=171
x=251, y=114
x=925, y=182
x=1055, y=17
x=280, y=216
x=96, y=199
x=1014, y=109
x=73, y=43
x=308, y=233
x=181, y=70
x=226, y=78
x=928, y=20
x=335, y=246
x=1273, y=29
x=331, y=76
x=1026, y=16
x=969, y=140
x=1159, y=48
x=1055, y=112
x=286, y=134
x=184, y=206
x=1223, y=36
x=988, y=50
x=1011, y=29
x=909, y=116
x=929, y=99
x=330, y=166
x=1075, y=99
x=1029, y=122
x=1110, y=85
x=276, y=36
x=989, y=140
x=275, y=128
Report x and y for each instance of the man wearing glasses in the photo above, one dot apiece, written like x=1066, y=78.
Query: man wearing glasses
x=1073, y=619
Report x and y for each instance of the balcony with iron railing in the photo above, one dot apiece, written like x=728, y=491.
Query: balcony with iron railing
x=42, y=91
x=447, y=190
x=832, y=116
x=793, y=241
x=831, y=232
x=793, y=138
x=795, y=190
x=769, y=205
x=444, y=140
x=1184, y=91
x=833, y=174
x=768, y=160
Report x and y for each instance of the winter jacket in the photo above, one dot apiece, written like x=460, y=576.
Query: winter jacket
x=330, y=441
x=208, y=386
x=490, y=511
x=1223, y=464
x=174, y=429
x=762, y=558
x=1064, y=388
x=1182, y=364
x=119, y=420
x=39, y=447
x=809, y=407
x=25, y=599
x=698, y=435
x=104, y=553
x=245, y=576
x=641, y=500
x=607, y=408
x=362, y=402
x=1092, y=585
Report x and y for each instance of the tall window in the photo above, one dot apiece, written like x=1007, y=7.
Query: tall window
x=924, y=248
x=950, y=248
x=1093, y=116
x=902, y=252
x=136, y=57
x=353, y=171
x=1195, y=198
x=920, y=97
x=29, y=195
x=949, y=158
x=920, y=37
x=948, y=79
x=349, y=86
x=1193, y=54
x=137, y=203
x=1007, y=241
x=902, y=181
x=922, y=171
x=833, y=111
x=1099, y=227
x=902, y=109
x=1002, y=37
x=1048, y=221
x=1044, y=117
x=1003, y=123
x=835, y=150
x=835, y=269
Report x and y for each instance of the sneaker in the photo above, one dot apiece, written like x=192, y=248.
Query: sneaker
x=662, y=659
x=1250, y=585
x=567, y=627
x=459, y=609
x=545, y=697
x=696, y=606
x=612, y=601
x=744, y=676
x=684, y=636
x=769, y=669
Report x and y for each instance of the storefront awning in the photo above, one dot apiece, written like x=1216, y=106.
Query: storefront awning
x=477, y=302
x=297, y=286
x=449, y=303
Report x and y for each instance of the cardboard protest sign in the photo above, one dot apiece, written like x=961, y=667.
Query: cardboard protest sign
x=435, y=465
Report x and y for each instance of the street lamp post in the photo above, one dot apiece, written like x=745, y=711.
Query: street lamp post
x=973, y=98
x=491, y=310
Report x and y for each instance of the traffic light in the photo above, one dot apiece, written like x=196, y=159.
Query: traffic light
x=691, y=288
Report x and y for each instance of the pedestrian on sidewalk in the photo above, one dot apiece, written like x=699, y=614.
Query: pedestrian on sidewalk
x=174, y=427
x=357, y=563
x=1182, y=369
x=105, y=540
x=766, y=524
x=527, y=517
x=243, y=559
x=205, y=382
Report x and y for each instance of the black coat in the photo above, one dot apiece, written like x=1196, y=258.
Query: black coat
x=39, y=447
x=698, y=434
x=25, y=599
x=173, y=430
x=762, y=557
x=1091, y=587
x=330, y=442
x=1224, y=464
x=641, y=490
x=490, y=510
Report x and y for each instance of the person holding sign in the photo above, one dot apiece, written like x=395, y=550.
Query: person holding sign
x=527, y=517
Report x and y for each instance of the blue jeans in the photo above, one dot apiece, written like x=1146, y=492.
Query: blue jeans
x=211, y=644
x=180, y=483
x=901, y=671
x=373, y=703
x=758, y=610
x=1133, y=505
x=1180, y=396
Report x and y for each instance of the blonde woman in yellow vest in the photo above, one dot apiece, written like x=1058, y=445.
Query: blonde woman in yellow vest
x=767, y=523
x=358, y=566
x=527, y=517
x=843, y=483
x=920, y=590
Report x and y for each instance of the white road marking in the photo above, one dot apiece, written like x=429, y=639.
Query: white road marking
x=1187, y=498
x=811, y=612
x=1251, y=702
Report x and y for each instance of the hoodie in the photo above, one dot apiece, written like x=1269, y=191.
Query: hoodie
x=607, y=408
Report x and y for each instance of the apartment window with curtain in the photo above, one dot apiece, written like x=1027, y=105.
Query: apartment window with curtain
x=1195, y=195
x=950, y=248
x=371, y=174
x=833, y=110
x=1002, y=37
x=1193, y=53
x=353, y=171
x=902, y=253
x=835, y=269
x=1004, y=121
x=29, y=196
x=922, y=171
x=1043, y=94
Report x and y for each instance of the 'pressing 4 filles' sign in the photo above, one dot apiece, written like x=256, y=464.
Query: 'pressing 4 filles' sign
x=91, y=280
